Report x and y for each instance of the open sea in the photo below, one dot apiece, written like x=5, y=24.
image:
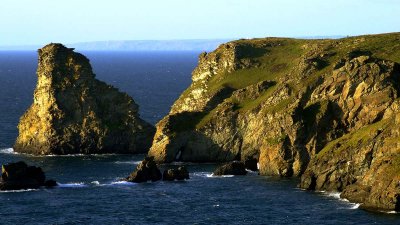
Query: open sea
x=90, y=191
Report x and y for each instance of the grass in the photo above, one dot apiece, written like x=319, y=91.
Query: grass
x=278, y=58
x=353, y=139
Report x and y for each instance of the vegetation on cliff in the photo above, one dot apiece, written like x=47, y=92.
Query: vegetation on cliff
x=325, y=110
x=72, y=112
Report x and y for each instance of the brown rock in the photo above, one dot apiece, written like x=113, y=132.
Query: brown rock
x=231, y=168
x=147, y=170
x=180, y=173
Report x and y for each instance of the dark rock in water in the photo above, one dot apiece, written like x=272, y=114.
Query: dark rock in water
x=232, y=168
x=73, y=112
x=180, y=173
x=251, y=163
x=50, y=183
x=19, y=175
x=147, y=170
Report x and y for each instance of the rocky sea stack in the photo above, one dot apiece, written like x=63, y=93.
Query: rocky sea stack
x=17, y=176
x=147, y=170
x=327, y=111
x=73, y=112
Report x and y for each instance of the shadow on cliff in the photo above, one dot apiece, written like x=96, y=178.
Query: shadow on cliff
x=185, y=121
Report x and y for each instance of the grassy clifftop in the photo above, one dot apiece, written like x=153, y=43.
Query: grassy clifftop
x=318, y=109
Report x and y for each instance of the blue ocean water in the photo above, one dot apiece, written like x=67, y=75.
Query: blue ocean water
x=90, y=191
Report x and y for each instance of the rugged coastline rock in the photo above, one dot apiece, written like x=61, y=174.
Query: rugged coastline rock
x=231, y=168
x=323, y=110
x=180, y=173
x=73, y=112
x=147, y=170
x=17, y=176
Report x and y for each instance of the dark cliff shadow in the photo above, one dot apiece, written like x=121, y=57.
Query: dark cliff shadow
x=185, y=121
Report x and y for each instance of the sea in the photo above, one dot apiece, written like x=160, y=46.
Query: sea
x=90, y=190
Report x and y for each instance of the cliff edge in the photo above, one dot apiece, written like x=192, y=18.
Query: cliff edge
x=73, y=112
x=324, y=110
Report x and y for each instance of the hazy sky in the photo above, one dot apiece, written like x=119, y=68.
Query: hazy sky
x=24, y=22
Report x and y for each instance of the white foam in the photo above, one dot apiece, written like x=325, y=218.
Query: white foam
x=391, y=212
x=355, y=206
x=70, y=155
x=252, y=172
x=7, y=151
x=72, y=185
x=222, y=176
x=128, y=162
x=202, y=174
x=334, y=194
x=95, y=182
x=123, y=183
x=15, y=191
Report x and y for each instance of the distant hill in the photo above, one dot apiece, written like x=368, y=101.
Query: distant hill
x=137, y=45
x=146, y=45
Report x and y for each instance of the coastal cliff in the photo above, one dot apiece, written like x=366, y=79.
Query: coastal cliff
x=327, y=111
x=73, y=112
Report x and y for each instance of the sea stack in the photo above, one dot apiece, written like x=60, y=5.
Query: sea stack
x=73, y=112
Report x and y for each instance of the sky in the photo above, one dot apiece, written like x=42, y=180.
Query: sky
x=37, y=22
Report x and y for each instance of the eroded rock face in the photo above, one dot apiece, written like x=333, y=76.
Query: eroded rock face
x=73, y=112
x=292, y=104
x=16, y=176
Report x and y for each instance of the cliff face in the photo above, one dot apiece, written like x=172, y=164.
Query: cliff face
x=73, y=112
x=325, y=110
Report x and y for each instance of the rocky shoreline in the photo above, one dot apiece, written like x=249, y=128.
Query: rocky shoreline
x=327, y=111
x=324, y=110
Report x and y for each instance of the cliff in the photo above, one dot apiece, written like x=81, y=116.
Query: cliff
x=72, y=112
x=325, y=110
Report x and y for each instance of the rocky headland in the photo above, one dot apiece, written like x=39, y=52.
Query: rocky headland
x=327, y=111
x=73, y=112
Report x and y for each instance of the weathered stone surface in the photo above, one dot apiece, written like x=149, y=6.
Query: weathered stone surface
x=147, y=170
x=72, y=112
x=231, y=168
x=180, y=173
x=16, y=176
x=309, y=108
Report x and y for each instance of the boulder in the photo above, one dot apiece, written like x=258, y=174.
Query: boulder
x=231, y=168
x=16, y=176
x=180, y=173
x=147, y=170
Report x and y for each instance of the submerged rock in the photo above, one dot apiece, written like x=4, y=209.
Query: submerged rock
x=180, y=173
x=231, y=168
x=16, y=176
x=73, y=112
x=147, y=170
